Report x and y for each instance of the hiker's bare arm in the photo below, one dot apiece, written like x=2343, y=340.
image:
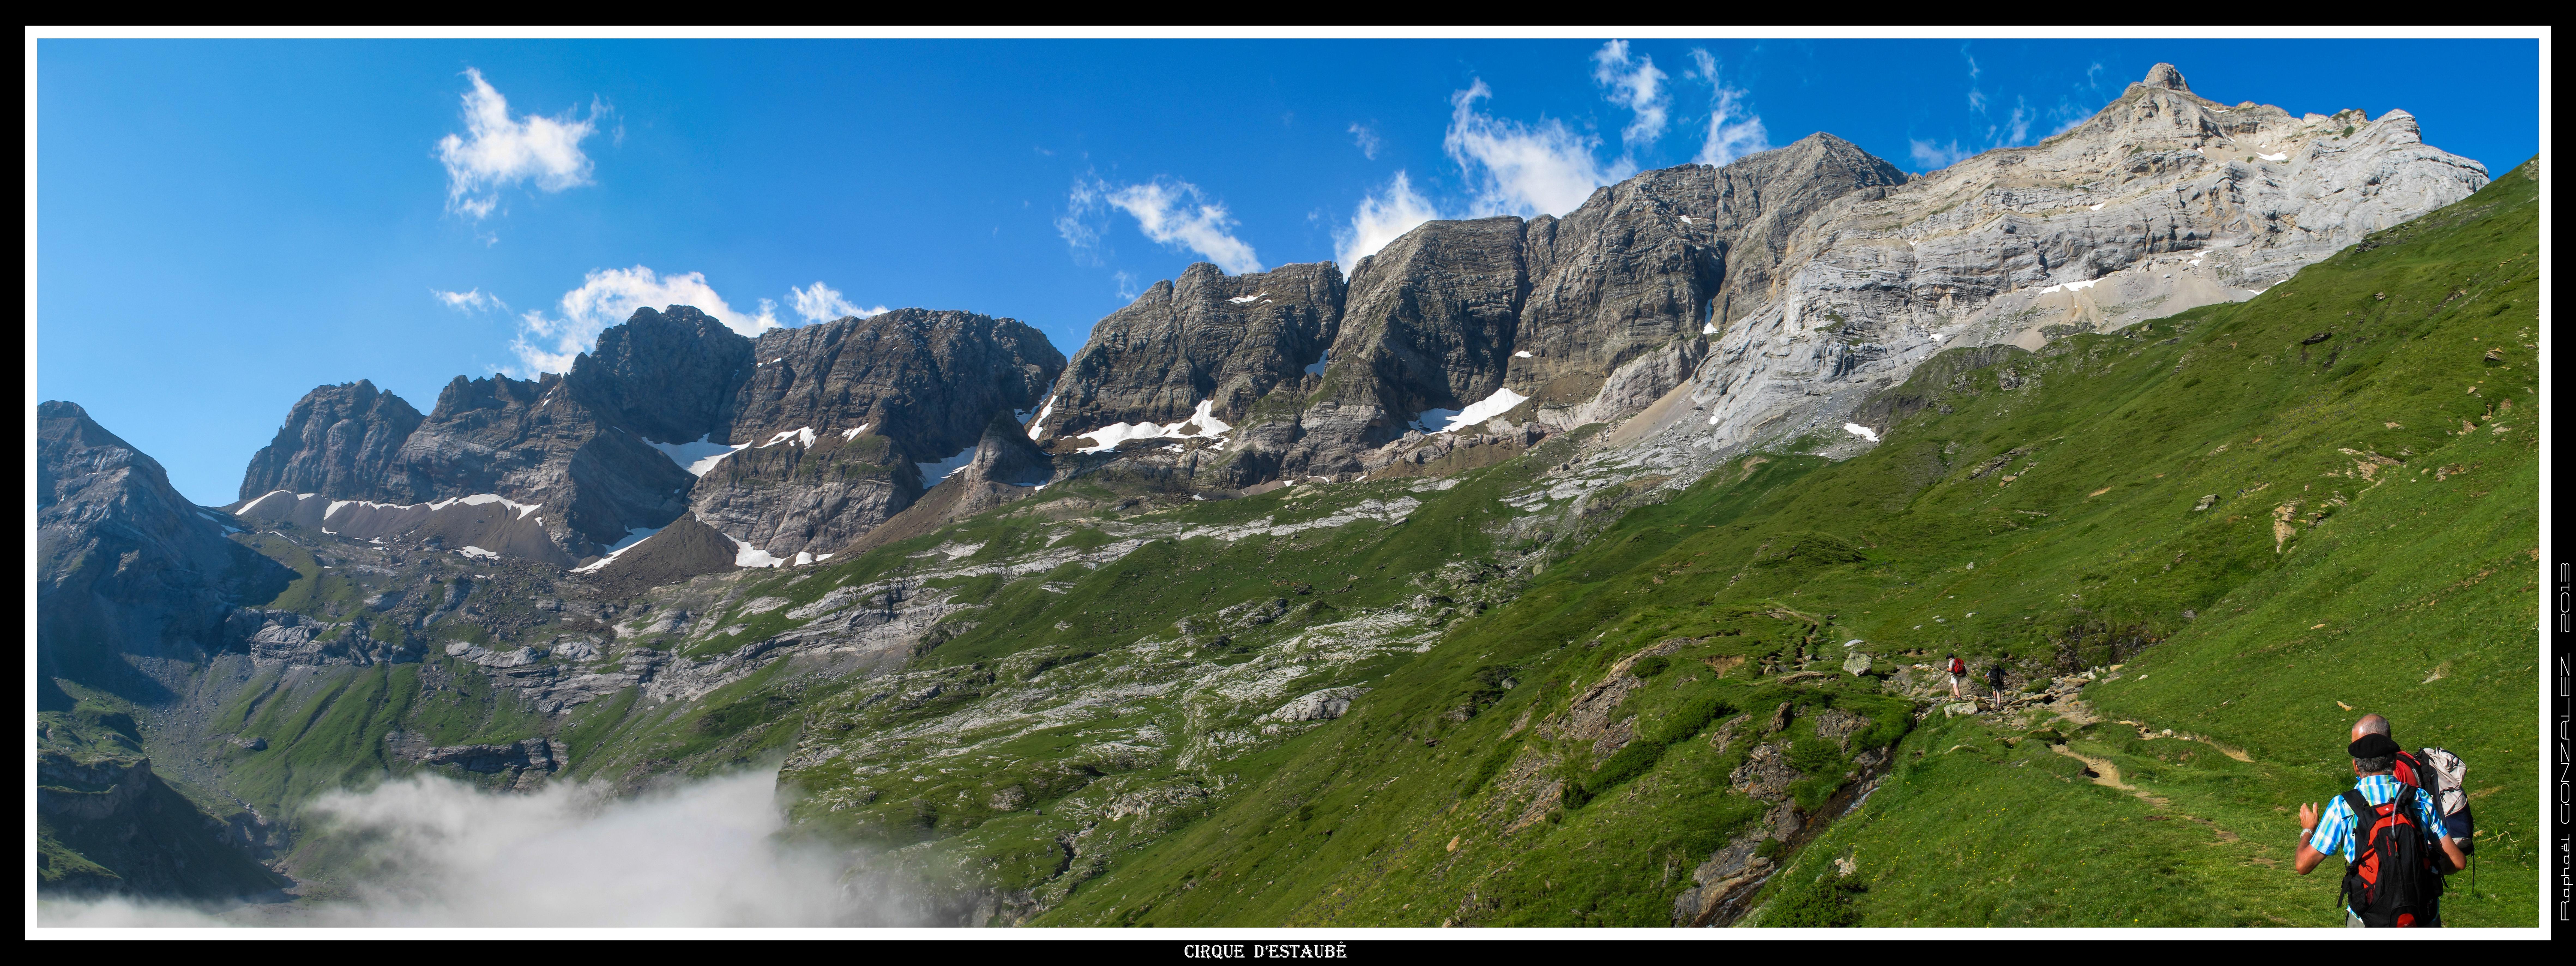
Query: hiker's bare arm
x=2451, y=850
x=2308, y=857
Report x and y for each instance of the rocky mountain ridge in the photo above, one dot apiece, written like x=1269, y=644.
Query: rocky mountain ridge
x=1708, y=310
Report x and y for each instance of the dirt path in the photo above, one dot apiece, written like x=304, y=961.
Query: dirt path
x=2104, y=772
x=2108, y=775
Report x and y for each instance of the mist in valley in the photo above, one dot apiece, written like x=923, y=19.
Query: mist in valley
x=432, y=851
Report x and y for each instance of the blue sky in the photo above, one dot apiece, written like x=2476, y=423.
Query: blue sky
x=222, y=226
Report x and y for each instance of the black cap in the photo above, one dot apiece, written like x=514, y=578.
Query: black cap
x=2374, y=746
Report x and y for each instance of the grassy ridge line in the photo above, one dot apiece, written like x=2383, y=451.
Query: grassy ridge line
x=1914, y=549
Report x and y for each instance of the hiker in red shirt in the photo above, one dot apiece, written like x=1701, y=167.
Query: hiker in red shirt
x=1958, y=675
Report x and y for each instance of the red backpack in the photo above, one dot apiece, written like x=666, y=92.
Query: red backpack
x=2392, y=881
x=1957, y=666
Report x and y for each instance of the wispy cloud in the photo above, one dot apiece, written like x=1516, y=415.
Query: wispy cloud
x=1976, y=95
x=1633, y=82
x=475, y=300
x=1171, y=213
x=1366, y=137
x=497, y=151
x=1383, y=216
x=2014, y=129
x=1523, y=169
x=1933, y=155
x=1127, y=287
x=819, y=303
x=1081, y=236
x=607, y=297
x=1733, y=129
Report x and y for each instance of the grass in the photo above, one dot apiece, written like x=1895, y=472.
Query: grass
x=2404, y=580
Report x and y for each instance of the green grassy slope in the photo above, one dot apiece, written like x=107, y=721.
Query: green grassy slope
x=2368, y=539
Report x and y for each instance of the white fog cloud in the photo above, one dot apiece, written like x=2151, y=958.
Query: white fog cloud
x=607, y=297
x=1733, y=129
x=475, y=300
x=442, y=853
x=1382, y=217
x=498, y=151
x=1633, y=83
x=819, y=303
x=1523, y=169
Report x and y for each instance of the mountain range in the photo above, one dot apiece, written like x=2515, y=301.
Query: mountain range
x=1082, y=639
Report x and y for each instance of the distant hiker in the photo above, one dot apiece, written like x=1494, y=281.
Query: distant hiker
x=1958, y=675
x=1995, y=678
x=2439, y=773
x=2387, y=831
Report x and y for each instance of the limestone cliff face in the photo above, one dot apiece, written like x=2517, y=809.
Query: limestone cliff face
x=578, y=445
x=535, y=442
x=125, y=565
x=339, y=440
x=1611, y=297
x=1765, y=299
x=1228, y=341
x=668, y=376
x=842, y=425
x=2163, y=201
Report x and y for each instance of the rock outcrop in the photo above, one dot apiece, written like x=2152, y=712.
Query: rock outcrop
x=338, y=440
x=128, y=572
x=668, y=376
x=842, y=425
x=1603, y=308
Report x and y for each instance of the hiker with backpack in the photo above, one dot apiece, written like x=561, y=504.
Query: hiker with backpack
x=2438, y=773
x=1958, y=675
x=2395, y=848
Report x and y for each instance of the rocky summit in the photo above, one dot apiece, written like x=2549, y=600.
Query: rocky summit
x=1580, y=570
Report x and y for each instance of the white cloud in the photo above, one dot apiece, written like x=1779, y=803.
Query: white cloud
x=1382, y=217
x=499, y=151
x=436, y=852
x=1127, y=289
x=1633, y=83
x=475, y=300
x=1366, y=137
x=1733, y=130
x=607, y=297
x=1934, y=156
x=819, y=303
x=1177, y=214
x=1523, y=169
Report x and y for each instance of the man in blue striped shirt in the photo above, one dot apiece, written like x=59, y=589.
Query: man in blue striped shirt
x=2374, y=758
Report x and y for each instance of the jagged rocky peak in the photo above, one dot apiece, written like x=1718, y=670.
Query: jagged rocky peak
x=125, y=564
x=1584, y=317
x=1223, y=340
x=841, y=425
x=669, y=375
x=2166, y=76
x=533, y=442
x=341, y=440
x=928, y=380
